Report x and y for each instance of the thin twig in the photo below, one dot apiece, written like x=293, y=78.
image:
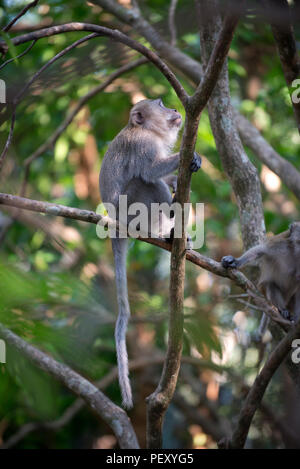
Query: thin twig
x=69, y=118
x=22, y=13
x=102, y=384
x=19, y=96
x=18, y=56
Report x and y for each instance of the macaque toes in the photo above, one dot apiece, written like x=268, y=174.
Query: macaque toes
x=278, y=259
x=139, y=164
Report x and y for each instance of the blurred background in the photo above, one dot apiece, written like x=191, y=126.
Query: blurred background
x=56, y=277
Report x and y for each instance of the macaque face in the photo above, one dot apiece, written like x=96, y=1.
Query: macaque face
x=153, y=115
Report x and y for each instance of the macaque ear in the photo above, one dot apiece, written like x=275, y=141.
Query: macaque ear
x=137, y=118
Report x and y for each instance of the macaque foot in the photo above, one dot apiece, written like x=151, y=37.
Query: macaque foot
x=196, y=163
x=229, y=262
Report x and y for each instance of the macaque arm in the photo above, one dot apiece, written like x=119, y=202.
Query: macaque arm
x=249, y=257
x=159, y=167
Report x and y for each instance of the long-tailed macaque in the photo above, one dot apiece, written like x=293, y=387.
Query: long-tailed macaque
x=138, y=164
x=279, y=262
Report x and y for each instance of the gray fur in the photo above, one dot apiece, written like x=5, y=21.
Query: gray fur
x=134, y=165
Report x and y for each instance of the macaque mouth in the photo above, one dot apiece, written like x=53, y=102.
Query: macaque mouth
x=176, y=121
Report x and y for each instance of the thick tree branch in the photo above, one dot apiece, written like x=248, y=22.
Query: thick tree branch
x=256, y=393
x=113, y=415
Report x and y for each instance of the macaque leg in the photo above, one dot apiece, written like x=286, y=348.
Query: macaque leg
x=274, y=294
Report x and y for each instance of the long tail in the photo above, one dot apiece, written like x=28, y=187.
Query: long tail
x=119, y=246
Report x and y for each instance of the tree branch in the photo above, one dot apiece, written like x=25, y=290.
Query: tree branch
x=18, y=56
x=22, y=13
x=21, y=93
x=103, y=407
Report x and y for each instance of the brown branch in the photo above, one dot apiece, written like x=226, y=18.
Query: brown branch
x=69, y=118
x=103, y=407
x=22, y=13
x=284, y=36
x=257, y=391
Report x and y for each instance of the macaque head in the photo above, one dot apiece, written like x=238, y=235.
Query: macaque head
x=295, y=231
x=151, y=114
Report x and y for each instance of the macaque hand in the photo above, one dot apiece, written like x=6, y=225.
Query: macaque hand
x=196, y=163
x=229, y=262
x=285, y=314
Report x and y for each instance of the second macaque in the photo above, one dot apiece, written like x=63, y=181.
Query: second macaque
x=279, y=262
